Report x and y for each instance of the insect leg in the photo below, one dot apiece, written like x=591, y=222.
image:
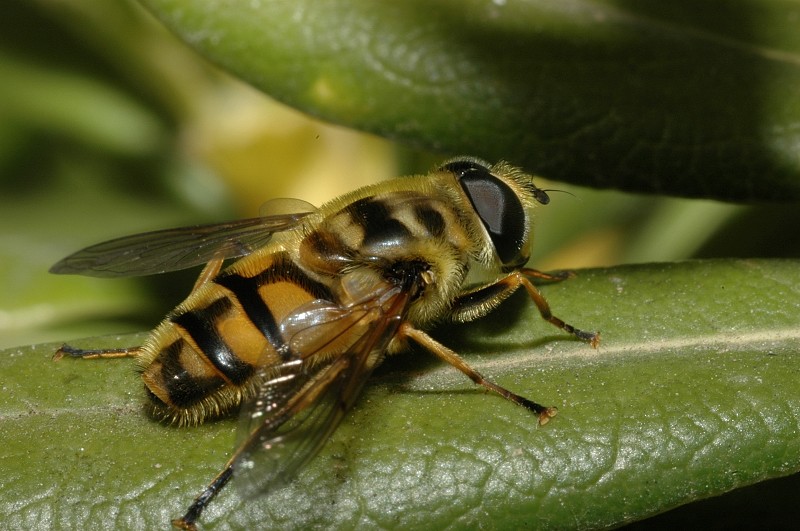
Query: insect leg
x=72, y=352
x=431, y=345
x=209, y=271
x=188, y=520
x=478, y=302
x=557, y=276
x=544, y=309
x=299, y=402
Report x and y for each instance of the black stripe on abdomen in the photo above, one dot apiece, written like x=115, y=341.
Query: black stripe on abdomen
x=183, y=389
x=245, y=290
x=201, y=327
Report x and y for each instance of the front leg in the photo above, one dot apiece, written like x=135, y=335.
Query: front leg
x=479, y=301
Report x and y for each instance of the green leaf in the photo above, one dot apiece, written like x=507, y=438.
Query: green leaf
x=693, y=392
x=683, y=98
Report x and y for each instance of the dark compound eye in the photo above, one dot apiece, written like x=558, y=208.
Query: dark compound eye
x=498, y=206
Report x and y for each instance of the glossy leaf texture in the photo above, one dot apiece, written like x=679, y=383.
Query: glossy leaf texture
x=695, y=99
x=693, y=392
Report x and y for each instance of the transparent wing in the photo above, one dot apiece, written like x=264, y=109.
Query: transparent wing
x=301, y=402
x=160, y=251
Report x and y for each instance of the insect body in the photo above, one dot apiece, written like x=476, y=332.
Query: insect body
x=294, y=327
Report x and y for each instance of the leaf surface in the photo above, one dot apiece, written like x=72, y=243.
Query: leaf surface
x=693, y=392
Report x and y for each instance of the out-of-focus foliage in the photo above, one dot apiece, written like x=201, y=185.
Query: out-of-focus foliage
x=697, y=98
x=109, y=125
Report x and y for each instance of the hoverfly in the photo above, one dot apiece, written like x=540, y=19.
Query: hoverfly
x=316, y=300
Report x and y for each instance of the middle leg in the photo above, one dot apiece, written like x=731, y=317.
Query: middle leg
x=431, y=345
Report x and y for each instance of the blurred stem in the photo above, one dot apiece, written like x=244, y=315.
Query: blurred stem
x=677, y=228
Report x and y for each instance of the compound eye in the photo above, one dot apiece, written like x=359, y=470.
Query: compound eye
x=498, y=206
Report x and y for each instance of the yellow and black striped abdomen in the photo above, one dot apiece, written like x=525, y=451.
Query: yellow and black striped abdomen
x=202, y=359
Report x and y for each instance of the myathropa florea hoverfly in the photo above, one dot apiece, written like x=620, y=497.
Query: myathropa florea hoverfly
x=316, y=300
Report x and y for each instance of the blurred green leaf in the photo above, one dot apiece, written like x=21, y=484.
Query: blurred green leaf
x=693, y=392
x=694, y=99
x=87, y=153
x=77, y=201
x=85, y=109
